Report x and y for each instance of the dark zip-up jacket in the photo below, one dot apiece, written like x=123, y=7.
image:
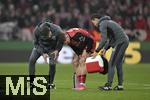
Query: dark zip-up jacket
x=112, y=33
x=41, y=41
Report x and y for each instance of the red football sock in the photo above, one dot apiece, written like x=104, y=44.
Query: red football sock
x=82, y=78
x=78, y=78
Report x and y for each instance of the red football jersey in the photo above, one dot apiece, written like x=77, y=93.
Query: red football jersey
x=80, y=40
x=71, y=32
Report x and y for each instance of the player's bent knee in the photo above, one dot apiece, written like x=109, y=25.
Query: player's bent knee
x=82, y=61
x=75, y=63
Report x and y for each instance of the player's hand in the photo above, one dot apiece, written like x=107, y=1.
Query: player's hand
x=45, y=56
x=84, y=54
x=94, y=54
x=102, y=52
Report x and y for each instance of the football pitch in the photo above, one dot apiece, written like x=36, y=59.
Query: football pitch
x=136, y=82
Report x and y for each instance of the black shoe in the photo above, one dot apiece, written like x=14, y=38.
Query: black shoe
x=119, y=87
x=51, y=86
x=106, y=87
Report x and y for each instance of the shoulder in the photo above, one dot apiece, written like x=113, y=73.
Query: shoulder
x=73, y=31
x=104, y=21
x=54, y=26
x=36, y=31
x=56, y=29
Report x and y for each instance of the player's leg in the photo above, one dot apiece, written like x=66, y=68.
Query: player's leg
x=75, y=62
x=32, y=60
x=81, y=77
x=82, y=71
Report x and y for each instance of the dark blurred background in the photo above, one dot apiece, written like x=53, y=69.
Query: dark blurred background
x=19, y=17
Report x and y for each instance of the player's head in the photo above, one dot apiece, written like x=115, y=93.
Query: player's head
x=67, y=38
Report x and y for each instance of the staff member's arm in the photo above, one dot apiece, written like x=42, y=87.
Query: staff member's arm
x=60, y=41
x=35, y=37
x=103, y=41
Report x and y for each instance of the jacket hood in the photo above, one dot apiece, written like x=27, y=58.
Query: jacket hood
x=105, y=18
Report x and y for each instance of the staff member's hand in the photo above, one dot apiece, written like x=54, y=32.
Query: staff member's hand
x=55, y=53
x=94, y=54
x=84, y=54
x=53, y=56
x=45, y=56
x=102, y=52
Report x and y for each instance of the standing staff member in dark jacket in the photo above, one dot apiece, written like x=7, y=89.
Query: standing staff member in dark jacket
x=112, y=36
x=48, y=41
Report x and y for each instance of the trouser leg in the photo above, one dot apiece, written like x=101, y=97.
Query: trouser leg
x=116, y=60
x=52, y=71
x=111, y=69
x=119, y=62
x=120, y=73
x=32, y=60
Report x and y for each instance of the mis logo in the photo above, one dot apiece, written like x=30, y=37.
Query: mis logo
x=19, y=86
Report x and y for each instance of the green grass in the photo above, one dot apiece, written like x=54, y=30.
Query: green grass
x=136, y=82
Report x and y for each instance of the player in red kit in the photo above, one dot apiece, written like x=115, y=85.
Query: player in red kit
x=83, y=45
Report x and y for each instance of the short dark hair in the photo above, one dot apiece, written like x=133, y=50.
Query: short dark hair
x=44, y=29
x=95, y=16
x=47, y=19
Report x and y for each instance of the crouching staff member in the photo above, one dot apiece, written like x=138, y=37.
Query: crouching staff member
x=83, y=45
x=48, y=41
x=112, y=36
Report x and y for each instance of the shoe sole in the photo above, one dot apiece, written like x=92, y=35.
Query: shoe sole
x=101, y=88
x=79, y=89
